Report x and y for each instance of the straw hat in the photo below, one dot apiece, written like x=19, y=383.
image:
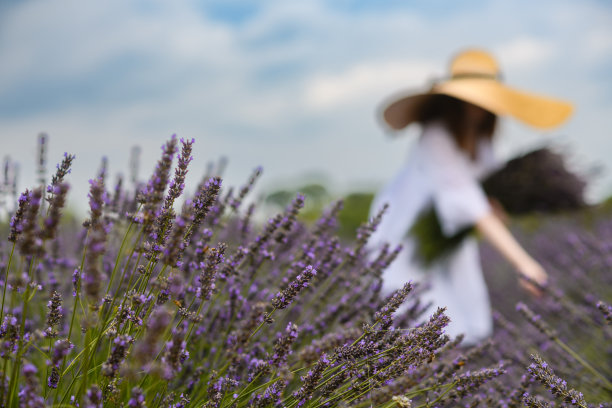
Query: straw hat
x=475, y=78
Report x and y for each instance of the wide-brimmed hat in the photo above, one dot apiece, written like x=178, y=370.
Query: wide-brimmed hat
x=475, y=78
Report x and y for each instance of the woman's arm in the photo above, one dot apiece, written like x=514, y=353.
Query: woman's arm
x=498, y=235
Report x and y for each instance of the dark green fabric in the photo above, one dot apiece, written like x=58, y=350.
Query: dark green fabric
x=431, y=243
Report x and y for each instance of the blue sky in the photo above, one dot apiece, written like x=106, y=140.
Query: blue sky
x=292, y=86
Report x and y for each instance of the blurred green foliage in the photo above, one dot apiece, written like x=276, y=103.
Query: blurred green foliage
x=356, y=205
x=354, y=213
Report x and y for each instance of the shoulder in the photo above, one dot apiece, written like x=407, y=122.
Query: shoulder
x=437, y=140
x=436, y=133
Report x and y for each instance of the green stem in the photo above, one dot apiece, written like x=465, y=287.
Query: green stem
x=24, y=312
x=607, y=384
x=6, y=276
x=118, y=257
x=85, y=366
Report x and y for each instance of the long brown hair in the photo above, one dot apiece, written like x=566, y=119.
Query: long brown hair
x=452, y=112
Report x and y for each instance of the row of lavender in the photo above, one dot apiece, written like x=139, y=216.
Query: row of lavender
x=569, y=325
x=146, y=305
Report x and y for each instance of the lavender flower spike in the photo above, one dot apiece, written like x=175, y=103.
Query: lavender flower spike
x=93, y=397
x=235, y=203
x=17, y=219
x=282, y=345
x=540, y=370
x=385, y=315
x=56, y=203
x=153, y=193
x=137, y=399
x=175, y=354
x=30, y=242
x=121, y=345
x=92, y=276
x=29, y=395
x=177, y=185
x=62, y=169
x=163, y=222
x=286, y=296
x=54, y=315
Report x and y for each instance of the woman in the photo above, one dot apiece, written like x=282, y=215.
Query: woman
x=458, y=117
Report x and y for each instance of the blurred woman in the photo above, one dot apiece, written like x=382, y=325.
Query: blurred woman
x=458, y=116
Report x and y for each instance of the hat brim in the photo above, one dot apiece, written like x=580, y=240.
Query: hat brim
x=534, y=110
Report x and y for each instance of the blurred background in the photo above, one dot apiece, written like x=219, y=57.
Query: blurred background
x=293, y=86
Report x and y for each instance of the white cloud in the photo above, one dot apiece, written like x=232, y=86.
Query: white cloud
x=598, y=44
x=365, y=80
x=44, y=41
x=526, y=53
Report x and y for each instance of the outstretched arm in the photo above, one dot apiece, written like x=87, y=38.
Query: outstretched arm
x=491, y=227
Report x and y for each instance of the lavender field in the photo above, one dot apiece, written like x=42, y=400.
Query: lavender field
x=175, y=296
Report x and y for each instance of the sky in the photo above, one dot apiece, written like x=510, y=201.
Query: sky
x=293, y=86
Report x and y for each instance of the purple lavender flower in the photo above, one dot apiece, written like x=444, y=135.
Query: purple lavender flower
x=329, y=220
x=76, y=279
x=54, y=315
x=153, y=193
x=175, y=354
x=282, y=345
x=30, y=242
x=245, y=224
x=60, y=350
x=53, y=378
x=9, y=332
x=533, y=402
x=42, y=157
x=177, y=185
x=183, y=402
x=97, y=199
x=468, y=382
x=157, y=324
x=92, y=276
x=164, y=221
x=93, y=397
x=17, y=219
x=176, y=244
x=62, y=170
x=137, y=399
x=115, y=201
x=287, y=295
x=289, y=218
x=121, y=345
x=235, y=203
x=270, y=397
x=29, y=395
x=536, y=321
x=540, y=370
x=202, y=203
x=385, y=315
x=56, y=203
x=231, y=265
x=365, y=231
x=311, y=380
x=606, y=310
x=208, y=271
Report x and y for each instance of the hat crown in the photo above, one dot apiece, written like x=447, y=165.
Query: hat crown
x=474, y=62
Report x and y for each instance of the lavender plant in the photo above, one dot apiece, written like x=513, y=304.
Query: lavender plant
x=564, y=335
x=149, y=306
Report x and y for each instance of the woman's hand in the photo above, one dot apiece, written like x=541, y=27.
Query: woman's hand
x=532, y=271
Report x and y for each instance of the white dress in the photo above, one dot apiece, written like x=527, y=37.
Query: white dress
x=438, y=172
